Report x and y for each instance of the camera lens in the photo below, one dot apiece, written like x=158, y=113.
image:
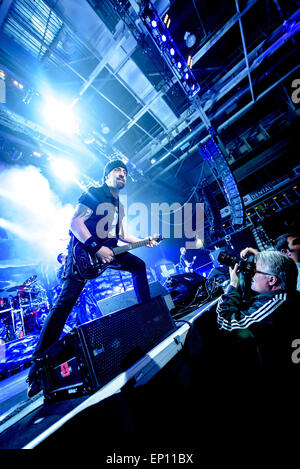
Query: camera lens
x=227, y=259
x=247, y=267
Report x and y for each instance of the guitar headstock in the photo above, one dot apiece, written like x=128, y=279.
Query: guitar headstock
x=157, y=238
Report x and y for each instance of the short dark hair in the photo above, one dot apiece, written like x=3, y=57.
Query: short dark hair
x=281, y=242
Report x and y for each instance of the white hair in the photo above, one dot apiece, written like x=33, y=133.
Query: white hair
x=280, y=265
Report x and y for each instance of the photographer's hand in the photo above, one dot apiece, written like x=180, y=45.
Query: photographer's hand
x=234, y=277
x=248, y=251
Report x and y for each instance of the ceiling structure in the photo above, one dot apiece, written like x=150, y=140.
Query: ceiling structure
x=100, y=55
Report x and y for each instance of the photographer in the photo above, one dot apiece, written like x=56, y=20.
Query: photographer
x=269, y=319
x=287, y=243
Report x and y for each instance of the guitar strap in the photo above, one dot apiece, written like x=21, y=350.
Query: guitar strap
x=70, y=264
x=68, y=267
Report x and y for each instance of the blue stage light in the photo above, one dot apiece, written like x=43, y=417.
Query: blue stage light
x=59, y=115
x=168, y=48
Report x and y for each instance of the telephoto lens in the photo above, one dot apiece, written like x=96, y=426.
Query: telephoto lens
x=228, y=259
x=245, y=266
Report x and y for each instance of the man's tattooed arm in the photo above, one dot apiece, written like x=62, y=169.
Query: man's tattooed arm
x=78, y=227
x=82, y=211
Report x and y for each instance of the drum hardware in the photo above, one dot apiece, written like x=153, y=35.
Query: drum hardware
x=5, y=310
x=26, y=284
x=18, y=322
x=35, y=319
x=5, y=320
x=30, y=302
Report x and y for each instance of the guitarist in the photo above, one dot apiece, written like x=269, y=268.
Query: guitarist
x=98, y=224
x=184, y=265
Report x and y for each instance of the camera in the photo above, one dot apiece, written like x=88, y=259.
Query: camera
x=247, y=267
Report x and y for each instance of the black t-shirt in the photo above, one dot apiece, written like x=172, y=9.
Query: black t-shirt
x=107, y=212
x=59, y=273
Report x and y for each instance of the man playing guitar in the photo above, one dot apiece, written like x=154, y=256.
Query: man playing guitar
x=96, y=227
x=183, y=263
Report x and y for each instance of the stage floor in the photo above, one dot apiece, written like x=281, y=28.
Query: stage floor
x=28, y=423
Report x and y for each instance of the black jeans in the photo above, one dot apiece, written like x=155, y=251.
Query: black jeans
x=72, y=288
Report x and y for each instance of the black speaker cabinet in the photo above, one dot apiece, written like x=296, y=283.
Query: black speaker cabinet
x=128, y=298
x=95, y=352
x=183, y=287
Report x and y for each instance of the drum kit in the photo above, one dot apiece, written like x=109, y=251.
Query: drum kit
x=22, y=313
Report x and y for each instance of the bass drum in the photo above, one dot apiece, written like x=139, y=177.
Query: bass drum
x=40, y=316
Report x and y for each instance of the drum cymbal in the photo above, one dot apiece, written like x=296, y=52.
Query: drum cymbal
x=25, y=288
x=16, y=287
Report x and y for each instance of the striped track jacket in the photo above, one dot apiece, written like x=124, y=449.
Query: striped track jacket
x=231, y=314
x=272, y=318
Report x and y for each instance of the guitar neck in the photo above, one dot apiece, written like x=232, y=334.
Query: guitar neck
x=130, y=246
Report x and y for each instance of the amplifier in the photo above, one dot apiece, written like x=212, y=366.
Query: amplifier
x=95, y=352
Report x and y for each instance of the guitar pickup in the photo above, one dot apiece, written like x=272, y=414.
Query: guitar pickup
x=93, y=259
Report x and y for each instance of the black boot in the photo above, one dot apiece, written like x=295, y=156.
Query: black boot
x=34, y=379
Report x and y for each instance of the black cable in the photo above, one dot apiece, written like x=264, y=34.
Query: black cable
x=199, y=17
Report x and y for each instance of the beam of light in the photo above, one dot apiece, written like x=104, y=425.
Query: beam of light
x=64, y=169
x=33, y=213
x=16, y=229
x=60, y=116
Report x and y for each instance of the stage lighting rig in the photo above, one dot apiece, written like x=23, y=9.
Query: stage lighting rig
x=211, y=152
x=158, y=30
x=18, y=84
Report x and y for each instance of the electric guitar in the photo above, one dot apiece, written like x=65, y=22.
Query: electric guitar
x=189, y=266
x=90, y=266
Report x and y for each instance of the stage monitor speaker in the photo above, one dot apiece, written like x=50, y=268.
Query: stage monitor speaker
x=185, y=286
x=94, y=353
x=128, y=298
x=189, y=279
